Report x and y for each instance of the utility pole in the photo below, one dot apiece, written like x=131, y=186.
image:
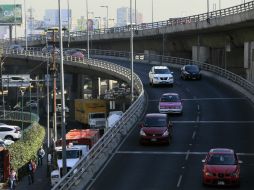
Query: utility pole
x=54, y=72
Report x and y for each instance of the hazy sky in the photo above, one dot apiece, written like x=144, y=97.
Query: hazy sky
x=163, y=9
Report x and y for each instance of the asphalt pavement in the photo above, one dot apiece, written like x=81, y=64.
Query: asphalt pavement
x=41, y=180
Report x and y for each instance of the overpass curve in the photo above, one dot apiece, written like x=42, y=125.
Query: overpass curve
x=214, y=116
x=226, y=119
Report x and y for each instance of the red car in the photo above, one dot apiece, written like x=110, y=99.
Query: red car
x=156, y=129
x=221, y=167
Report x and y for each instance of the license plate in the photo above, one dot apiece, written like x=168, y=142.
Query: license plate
x=221, y=183
x=153, y=140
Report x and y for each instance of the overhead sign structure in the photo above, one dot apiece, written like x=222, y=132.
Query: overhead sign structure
x=21, y=80
x=11, y=14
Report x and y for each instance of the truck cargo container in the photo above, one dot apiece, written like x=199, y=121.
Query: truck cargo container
x=81, y=137
x=91, y=112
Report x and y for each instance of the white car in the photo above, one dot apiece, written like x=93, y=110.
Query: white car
x=32, y=103
x=5, y=143
x=9, y=132
x=161, y=75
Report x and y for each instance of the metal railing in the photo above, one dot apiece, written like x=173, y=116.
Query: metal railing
x=88, y=166
x=85, y=169
x=19, y=116
x=80, y=35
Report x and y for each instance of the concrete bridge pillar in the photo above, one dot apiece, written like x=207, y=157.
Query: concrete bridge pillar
x=95, y=87
x=78, y=86
x=249, y=60
x=200, y=53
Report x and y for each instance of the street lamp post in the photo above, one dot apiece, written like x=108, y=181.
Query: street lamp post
x=99, y=21
x=131, y=48
x=68, y=5
x=22, y=90
x=25, y=23
x=106, y=6
x=62, y=91
x=2, y=87
x=87, y=30
x=112, y=19
x=208, y=20
x=152, y=11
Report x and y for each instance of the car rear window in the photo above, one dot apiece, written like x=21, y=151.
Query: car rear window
x=155, y=122
x=170, y=98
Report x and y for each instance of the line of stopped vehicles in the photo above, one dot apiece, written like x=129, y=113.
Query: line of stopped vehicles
x=221, y=166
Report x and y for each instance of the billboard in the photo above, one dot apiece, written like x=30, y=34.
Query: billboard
x=22, y=80
x=10, y=14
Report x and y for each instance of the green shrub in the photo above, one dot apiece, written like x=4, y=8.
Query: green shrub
x=22, y=151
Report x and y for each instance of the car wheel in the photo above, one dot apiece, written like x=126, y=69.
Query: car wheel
x=152, y=84
x=9, y=138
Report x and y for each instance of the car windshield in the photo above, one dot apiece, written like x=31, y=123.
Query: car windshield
x=97, y=115
x=222, y=159
x=155, y=122
x=70, y=154
x=170, y=98
x=161, y=71
x=192, y=68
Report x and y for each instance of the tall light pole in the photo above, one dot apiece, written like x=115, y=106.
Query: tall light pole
x=25, y=23
x=106, y=6
x=87, y=30
x=135, y=12
x=48, y=143
x=22, y=91
x=68, y=7
x=131, y=48
x=62, y=91
x=99, y=21
x=208, y=11
x=112, y=19
x=15, y=20
x=152, y=11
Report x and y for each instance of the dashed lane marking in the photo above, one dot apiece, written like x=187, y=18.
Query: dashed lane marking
x=187, y=155
x=173, y=153
x=179, y=181
x=193, y=134
x=218, y=122
x=202, y=99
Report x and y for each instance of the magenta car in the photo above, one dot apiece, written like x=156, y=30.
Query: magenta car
x=78, y=55
x=170, y=103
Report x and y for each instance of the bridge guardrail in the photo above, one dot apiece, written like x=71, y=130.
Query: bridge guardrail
x=76, y=35
x=99, y=153
x=247, y=85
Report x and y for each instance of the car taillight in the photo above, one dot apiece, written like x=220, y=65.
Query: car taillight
x=17, y=130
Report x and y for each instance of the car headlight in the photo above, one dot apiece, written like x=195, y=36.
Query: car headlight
x=208, y=174
x=234, y=174
x=185, y=72
x=166, y=133
x=157, y=78
x=142, y=133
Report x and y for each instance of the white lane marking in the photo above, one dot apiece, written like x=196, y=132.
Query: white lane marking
x=174, y=153
x=193, y=135
x=179, y=181
x=187, y=155
x=237, y=122
x=202, y=99
x=198, y=107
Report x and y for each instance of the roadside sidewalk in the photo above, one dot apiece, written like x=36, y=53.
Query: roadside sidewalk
x=41, y=180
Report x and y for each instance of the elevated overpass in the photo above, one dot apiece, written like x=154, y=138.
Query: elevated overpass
x=223, y=38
